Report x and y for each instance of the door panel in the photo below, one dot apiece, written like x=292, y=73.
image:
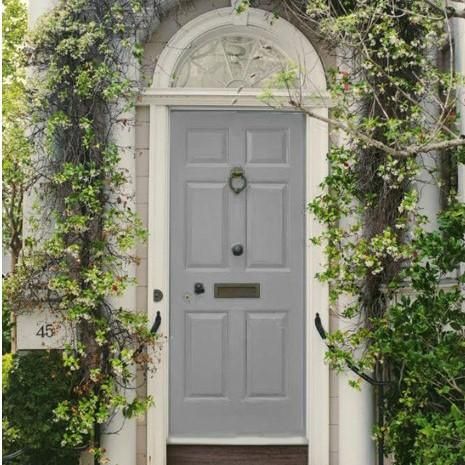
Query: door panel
x=237, y=364
x=206, y=225
x=267, y=146
x=207, y=146
x=266, y=218
x=266, y=354
x=205, y=363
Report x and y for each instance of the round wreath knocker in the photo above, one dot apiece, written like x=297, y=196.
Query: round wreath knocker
x=237, y=180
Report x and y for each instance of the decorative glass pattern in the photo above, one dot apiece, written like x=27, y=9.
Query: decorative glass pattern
x=230, y=61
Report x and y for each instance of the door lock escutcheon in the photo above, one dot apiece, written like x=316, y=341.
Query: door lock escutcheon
x=237, y=179
x=199, y=288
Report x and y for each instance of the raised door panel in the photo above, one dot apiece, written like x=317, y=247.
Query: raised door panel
x=209, y=146
x=206, y=225
x=266, y=335
x=267, y=225
x=206, y=345
x=267, y=146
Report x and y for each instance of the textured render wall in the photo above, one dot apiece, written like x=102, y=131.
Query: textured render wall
x=177, y=17
x=142, y=173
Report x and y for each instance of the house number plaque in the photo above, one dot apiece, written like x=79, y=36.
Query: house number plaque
x=40, y=329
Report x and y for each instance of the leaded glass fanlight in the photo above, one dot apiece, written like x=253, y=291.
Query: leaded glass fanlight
x=230, y=61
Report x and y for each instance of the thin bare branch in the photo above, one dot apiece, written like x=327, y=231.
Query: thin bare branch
x=410, y=151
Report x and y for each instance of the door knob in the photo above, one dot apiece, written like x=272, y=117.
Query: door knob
x=237, y=250
x=199, y=288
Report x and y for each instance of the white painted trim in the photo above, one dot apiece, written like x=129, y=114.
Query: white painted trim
x=317, y=300
x=241, y=441
x=229, y=97
x=160, y=98
x=280, y=32
x=317, y=399
x=158, y=278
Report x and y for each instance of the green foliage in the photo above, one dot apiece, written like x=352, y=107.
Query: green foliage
x=421, y=340
x=390, y=77
x=7, y=365
x=32, y=385
x=83, y=235
x=6, y=329
x=384, y=268
x=242, y=6
x=15, y=147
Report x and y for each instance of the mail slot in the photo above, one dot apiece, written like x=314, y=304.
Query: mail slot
x=237, y=290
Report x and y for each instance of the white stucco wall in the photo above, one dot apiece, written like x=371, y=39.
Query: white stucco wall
x=142, y=172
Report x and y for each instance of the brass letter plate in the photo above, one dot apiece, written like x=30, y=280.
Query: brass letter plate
x=237, y=290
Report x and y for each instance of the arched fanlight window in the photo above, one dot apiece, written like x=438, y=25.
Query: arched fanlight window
x=230, y=61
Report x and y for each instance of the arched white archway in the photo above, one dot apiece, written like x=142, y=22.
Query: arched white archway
x=254, y=22
x=163, y=96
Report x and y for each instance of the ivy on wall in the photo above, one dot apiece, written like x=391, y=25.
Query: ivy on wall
x=399, y=284
x=83, y=229
x=15, y=147
x=16, y=172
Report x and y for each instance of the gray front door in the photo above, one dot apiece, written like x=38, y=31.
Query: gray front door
x=237, y=353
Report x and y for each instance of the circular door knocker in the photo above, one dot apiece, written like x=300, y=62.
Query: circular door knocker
x=237, y=180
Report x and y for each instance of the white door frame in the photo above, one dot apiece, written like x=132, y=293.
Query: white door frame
x=161, y=99
x=317, y=376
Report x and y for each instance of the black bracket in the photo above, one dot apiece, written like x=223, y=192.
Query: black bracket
x=323, y=334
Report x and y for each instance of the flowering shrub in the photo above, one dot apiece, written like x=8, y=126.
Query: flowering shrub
x=83, y=230
x=395, y=112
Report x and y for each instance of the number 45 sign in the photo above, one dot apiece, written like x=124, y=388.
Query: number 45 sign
x=47, y=330
x=41, y=329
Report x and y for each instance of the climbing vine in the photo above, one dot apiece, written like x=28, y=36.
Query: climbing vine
x=15, y=159
x=394, y=130
x=82, y=229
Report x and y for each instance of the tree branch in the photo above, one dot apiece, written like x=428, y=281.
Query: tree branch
x=410, y=151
